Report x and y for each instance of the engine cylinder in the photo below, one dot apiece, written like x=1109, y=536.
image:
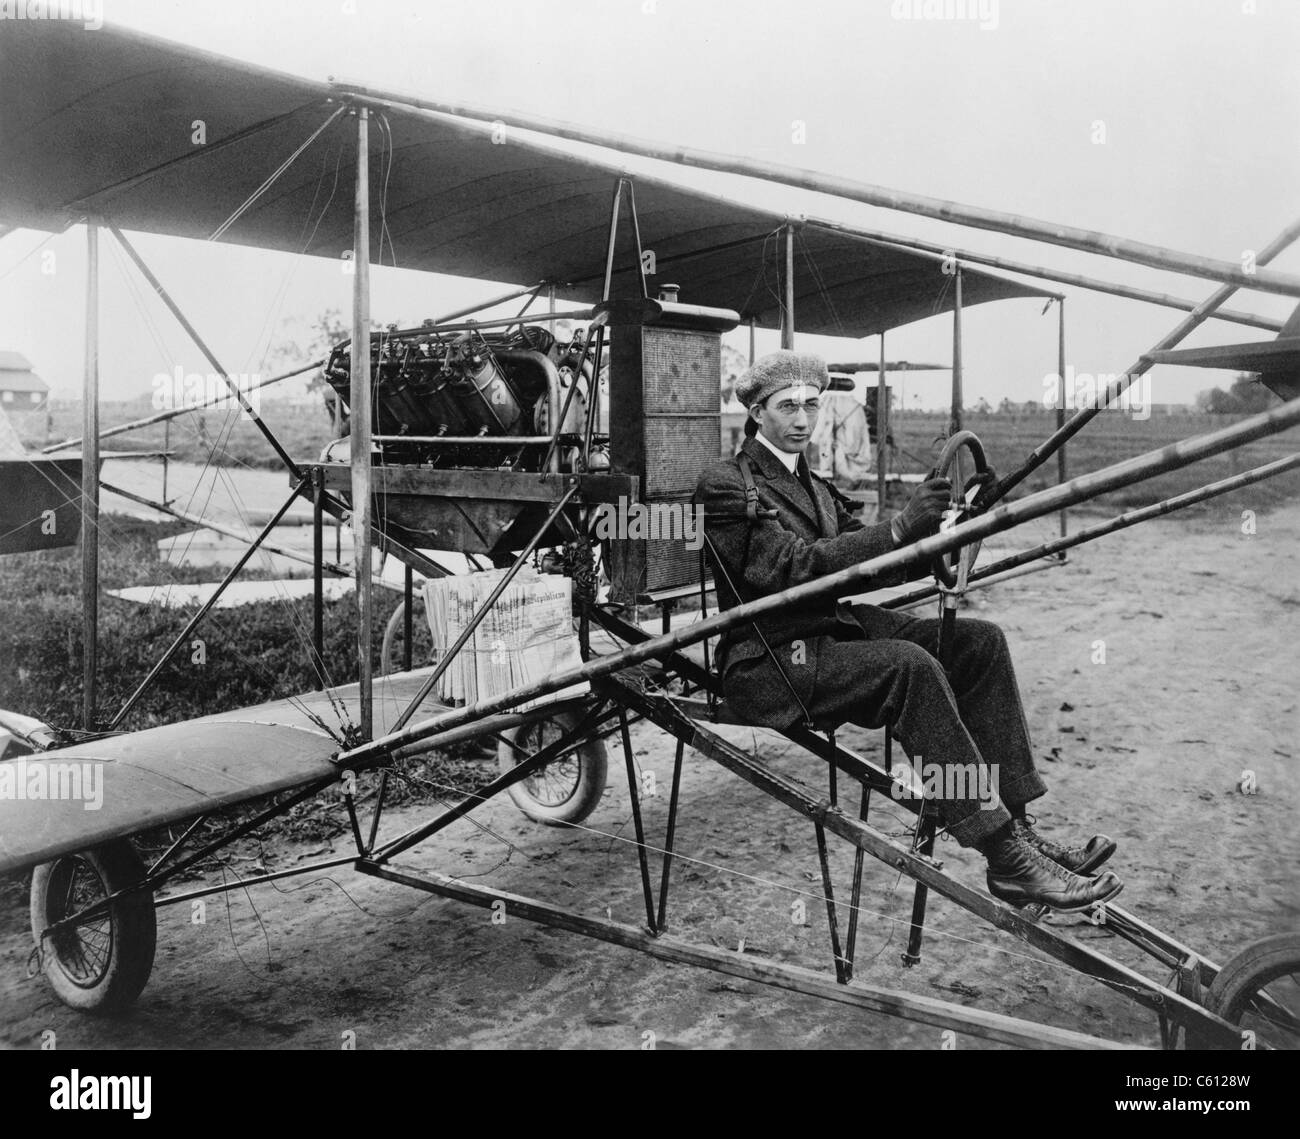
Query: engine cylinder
x=444, y=406
x=486, y=394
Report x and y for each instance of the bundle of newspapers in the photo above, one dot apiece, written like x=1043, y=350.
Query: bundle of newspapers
x=525, y=637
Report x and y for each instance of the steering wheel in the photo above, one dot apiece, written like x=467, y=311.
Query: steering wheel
x=961, y=459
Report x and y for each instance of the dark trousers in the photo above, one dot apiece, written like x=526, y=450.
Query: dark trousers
x=968, y=719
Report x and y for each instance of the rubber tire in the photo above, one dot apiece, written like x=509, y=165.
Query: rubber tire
x=387, y=665
x=132, y=928
x=593, y=766
x=1259, y=964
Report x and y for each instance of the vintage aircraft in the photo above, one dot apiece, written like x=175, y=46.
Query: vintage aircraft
x=488, y=437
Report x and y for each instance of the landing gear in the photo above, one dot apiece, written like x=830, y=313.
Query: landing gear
x=565, y=791
x=102, y=964
x=1259, y=990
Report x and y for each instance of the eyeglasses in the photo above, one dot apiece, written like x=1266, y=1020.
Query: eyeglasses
x=788, y=407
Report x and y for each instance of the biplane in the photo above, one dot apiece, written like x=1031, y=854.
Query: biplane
x=505, y=439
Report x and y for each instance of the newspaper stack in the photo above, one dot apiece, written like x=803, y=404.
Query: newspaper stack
x=525, y=637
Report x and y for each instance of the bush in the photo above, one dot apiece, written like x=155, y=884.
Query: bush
x=235, y=658
x=248, y=654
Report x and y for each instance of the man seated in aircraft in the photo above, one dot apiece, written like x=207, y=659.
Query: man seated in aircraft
x=826, y=662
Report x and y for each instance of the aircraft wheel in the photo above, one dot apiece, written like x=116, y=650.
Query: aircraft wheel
x=389, y=658
x=1259, y=990
x=563, y=792
x=102, y=965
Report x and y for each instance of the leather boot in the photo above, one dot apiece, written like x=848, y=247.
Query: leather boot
x=1019, y=875
x=1076, y=859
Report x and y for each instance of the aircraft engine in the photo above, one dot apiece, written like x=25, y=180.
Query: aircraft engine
x=474, y=400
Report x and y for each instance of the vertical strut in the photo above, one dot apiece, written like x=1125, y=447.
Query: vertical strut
x=317, y=576
x=882, y=433
x=354, y=823
x=850, y=941
x=924, y=845
x=834, y=785
x=612, y=240
x=955, y=420
x=925, y=825
x=636, y=237
x=1060, y=410
x=787, y=293
x=829, y=891
x=620, y=185
x=670, y=834
x=360, y=423
x=642, y=857
x=90, y=487
x=379, y=809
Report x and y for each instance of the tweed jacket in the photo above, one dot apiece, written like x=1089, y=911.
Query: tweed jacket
x=807, y=539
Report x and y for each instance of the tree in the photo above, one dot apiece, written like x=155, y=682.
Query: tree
x=734, y=365
x=315, y=341
x=1246, y=396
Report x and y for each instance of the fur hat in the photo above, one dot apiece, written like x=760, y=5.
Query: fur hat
x=781, y=369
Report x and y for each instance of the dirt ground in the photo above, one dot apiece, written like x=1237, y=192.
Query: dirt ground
x=1200, y=628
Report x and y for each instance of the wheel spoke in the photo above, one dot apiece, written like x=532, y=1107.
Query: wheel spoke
x=1278, y=1013
x=565, y=786
x=83, y=951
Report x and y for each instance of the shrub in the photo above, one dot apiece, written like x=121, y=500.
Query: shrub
x=249, y=654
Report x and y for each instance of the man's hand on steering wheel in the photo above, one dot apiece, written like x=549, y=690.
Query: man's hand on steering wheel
x=924, y=511
x=948, y=567
x=986, y=480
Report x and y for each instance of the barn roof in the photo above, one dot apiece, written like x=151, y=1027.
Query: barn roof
x=13, y=361
x=16, y=374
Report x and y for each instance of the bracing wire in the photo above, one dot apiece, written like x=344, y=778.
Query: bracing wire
x=231, y=415
x=271, y=178
x=230, y=419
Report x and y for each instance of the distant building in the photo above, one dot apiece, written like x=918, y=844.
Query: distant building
x=11, y=447
x=21, y=389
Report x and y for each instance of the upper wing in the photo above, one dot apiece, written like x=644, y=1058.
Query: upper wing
x=163, y=138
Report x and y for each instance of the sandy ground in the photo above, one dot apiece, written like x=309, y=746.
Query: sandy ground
x=1200, y=631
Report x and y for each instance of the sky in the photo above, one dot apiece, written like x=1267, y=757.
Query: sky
x=1170, y=122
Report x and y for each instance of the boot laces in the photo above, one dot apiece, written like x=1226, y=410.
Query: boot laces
x=1025, y=826
x=1049, y=864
